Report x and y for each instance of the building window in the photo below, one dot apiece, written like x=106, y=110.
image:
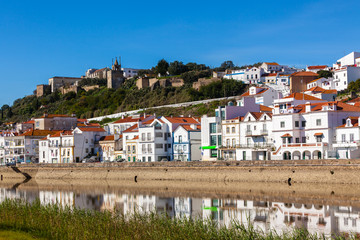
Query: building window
x=296, y=123
x=158, y=145
x=86, y=150
x=351, y=137
x=149, y=159
x=86, y=141
x=297, y=140
x=180, y=139
x=233, y=130
x=228, y=142
x=318, y=138
x=212, y=127
x=213, y=153
x=219, y=140
x=227, y=130
x=184, y=147
x=143, y=137
x=233, y=142
x=343, y=138
x=303, y=123
x=318, y=122
x=303, y=139
x=282, y=124
x=148, y=136
x=213, y=140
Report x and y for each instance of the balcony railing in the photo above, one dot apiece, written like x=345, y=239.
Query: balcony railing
x=353, y=143
x=318, y=144
x=248, y=133
x=264, y=132
x=256, y=145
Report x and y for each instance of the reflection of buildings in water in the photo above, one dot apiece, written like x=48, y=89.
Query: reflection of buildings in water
x=56, y=197
x=348, y=219
x=229, y=211
x=315, y=218
x=263, y=215
x=147, y=204
x=188, y=207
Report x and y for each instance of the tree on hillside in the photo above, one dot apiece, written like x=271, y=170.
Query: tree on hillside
x=162, y=67
x=191, y=66
x=354, y=86
x=227, y=65
x=324, y=74
x=177, y=68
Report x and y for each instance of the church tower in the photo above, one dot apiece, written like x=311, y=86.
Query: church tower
x=115, y=77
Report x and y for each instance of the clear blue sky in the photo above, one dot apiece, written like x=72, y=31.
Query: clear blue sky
x=42, y=39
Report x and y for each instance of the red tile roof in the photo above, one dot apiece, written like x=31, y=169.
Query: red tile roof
x=321, y=90
x=189, y=128
x=355, y=100
x=256, y=115
x=286, y=135
x=29, y=122
x=62, y=133
x=265, y=108
x=107, y=138
x=182, y=120
x=88, y=124
x=317, y=67
x=32, y=132
x=133, y=128
x=302, y=96
x=304, y=74
x=271, y=63
x=91, y=129
x=260, y=92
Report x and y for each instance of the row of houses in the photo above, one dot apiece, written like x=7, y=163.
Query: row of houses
x=306, y=125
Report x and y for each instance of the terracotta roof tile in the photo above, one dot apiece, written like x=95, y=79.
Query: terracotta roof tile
x=317, y=67
x=302, y=96
x=304, y=74
x=32, y=132
x=91, y=129
x=182, y=120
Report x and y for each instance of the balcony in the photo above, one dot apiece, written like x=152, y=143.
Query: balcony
x=256, y=146
x=248, y=133
x=146, y=139
x=347, y=144
x=264, y=132
x=297, y=145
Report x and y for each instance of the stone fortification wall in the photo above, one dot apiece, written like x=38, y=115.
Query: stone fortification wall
x=303, y=171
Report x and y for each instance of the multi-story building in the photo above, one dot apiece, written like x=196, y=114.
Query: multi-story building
x=347, y=143
x=111, y=148
x=262, y=95
x=154, y=141
x=346, y=70
x=124, y=123
x=70, y=146
x=307, y=131
x=55, y=122
x=187, y=142
x=24, y=148
x=130, y=143
x=256, y=140
x=299, y=81
x=325, y=83
x=247, y=76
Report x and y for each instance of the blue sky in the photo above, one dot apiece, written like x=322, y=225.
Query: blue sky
x=42, y=39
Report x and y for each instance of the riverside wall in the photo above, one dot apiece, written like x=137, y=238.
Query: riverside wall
x=299, y=171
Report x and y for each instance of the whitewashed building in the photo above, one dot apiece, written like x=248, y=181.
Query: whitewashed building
x=187, y=142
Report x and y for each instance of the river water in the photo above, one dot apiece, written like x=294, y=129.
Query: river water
x=265, y=210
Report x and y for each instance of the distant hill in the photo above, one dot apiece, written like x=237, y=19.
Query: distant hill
x=103, y=101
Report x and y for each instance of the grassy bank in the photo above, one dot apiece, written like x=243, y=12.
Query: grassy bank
x=54, y=222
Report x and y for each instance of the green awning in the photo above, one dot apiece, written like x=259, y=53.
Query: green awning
x=208, y=147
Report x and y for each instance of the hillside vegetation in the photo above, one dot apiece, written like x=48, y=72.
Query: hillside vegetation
x=103, y=101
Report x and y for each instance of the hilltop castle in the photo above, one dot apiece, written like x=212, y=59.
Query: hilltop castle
x=115, y=76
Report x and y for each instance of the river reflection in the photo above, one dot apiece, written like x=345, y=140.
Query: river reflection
x=264, y=215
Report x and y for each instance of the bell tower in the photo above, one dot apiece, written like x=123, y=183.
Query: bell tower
x=115, y=77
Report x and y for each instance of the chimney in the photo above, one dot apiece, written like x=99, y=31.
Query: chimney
x=308, y=107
